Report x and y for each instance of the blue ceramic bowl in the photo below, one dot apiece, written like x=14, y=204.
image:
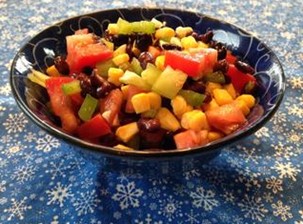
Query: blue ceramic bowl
x=40, y=50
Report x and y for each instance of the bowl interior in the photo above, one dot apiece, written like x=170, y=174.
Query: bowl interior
x=39, y=52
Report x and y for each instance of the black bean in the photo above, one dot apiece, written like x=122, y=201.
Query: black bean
x=97, y=80
x=86, y=87
x=118, y=40
x=143, y=42
x=103, y=90
x=151, y=140
x=221, y=65
x=145, y=58
x=244, y=67
x=149, y=124
x=207, y=37
x=222, y=50
x=87, y=70
x=61, y=65
x=194, y=85
x=171, y=47
x=207, y=98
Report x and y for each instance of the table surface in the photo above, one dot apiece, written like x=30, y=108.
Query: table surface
x=259, y=180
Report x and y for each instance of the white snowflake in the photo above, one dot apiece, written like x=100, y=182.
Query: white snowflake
x=262, y=132
x=191, y=174
x=147, y=220
x=47, y=143
x=274, y=184
x=170, y=208
x=17, y=209
x=253, y=208
x=205, y=199
x=127, y=195
x=86, y=203
x=24, y=173
x=58, y=194
x=280, y=210
x=5, y=90
x=57, y=169
x=2, y=186
x=192, y=218
x=15, y=123
x=286, y=170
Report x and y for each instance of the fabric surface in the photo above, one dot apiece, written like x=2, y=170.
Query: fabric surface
x=45, y=180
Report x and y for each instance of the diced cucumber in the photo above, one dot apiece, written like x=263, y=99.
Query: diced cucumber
x=134, y=79
x=151, y=74
x=71, y=87
x=135, y=66
x=88, y=107
x=192, y=98
x=103, y=67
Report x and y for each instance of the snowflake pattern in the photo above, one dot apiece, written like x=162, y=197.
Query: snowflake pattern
x=43, y=179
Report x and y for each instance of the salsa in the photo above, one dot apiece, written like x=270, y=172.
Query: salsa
x=144, y=85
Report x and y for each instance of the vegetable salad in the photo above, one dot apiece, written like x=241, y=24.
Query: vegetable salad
x=144, y=85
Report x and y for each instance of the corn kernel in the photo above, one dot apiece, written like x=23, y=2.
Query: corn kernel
x=160, y=62
x=155, y=100
x=222, y=96
x=167, y=120
x=114, y=75
x=202, y=45
x=165, y=33
x=123, y=147
x=121, y=59
x=248, y=99
x=141, y=102
x=108, y=44
x=180, y=106
x=120, y=50
x=195, y=120
x=241, y=104
x=126, y=132
x=182, y=31
x=176, y=41
x=189, y=42
x=231, y=90
x=214, y=135
x=113, y=28
x=210, y=106
x=210, y=86
x=52, y=71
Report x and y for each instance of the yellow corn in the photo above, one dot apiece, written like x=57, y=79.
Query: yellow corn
x=120, y=50
x=189, y=42
x=176, y=41
x=231, y=90
x=141, y=102
x=113, y=28
x=155, y=100
x=248, y=99
x=195, y=120
x=123, y=147
x=180, y=106
x=210, y=86
x=126, y=132
x=202, y=44
x=160, y=62
x=214, y=135
x=222, y=96
x=165, y=33
x=167, y=120
x=121, y=59
x=182, y=31
x=241, y=104
x=108, y=44
x=52, y=71
x=211, y=105
x=114, y=75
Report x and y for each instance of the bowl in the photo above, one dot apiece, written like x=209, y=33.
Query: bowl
x=39, y=52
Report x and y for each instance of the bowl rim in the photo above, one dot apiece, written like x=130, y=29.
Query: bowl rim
x=139, y=154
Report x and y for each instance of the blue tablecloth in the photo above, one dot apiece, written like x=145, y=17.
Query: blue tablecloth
x=259, y=180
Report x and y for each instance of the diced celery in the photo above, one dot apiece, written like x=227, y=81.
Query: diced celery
x=134, y=79
x=124, y=27
x=135, y=65
x=88, y=107
x=143, y=27
x=192, y=98
x=151, y=74
x=216, y=77
x=103, y=67
x=169, y=83
x=71, y=87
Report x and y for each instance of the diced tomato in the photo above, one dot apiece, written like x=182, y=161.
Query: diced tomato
x=226, y=118
x=231, y=59
x=155, y=52
x=238, y=78
x=111, y=105
x=191, y=138
x=81, y=31
x=82, y=51
x=61, y=103
x=132, y=90
x=77, y=99
x=194, y=63
x=94, y=128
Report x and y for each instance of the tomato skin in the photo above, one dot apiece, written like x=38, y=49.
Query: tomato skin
x=226, y=118
x=231, y=59
x=238, y=78
x=191, y=138
x=82, y=51
x=96, y=127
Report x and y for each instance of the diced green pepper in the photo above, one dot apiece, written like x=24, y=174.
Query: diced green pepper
x=125, y=27
x=135, y=65
x=193, y=98
x=134, y=79
x=217, y=77
x=103, y=67
x=88, y=107
x=71, y=87
x=151, y=74
x=169, y=83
